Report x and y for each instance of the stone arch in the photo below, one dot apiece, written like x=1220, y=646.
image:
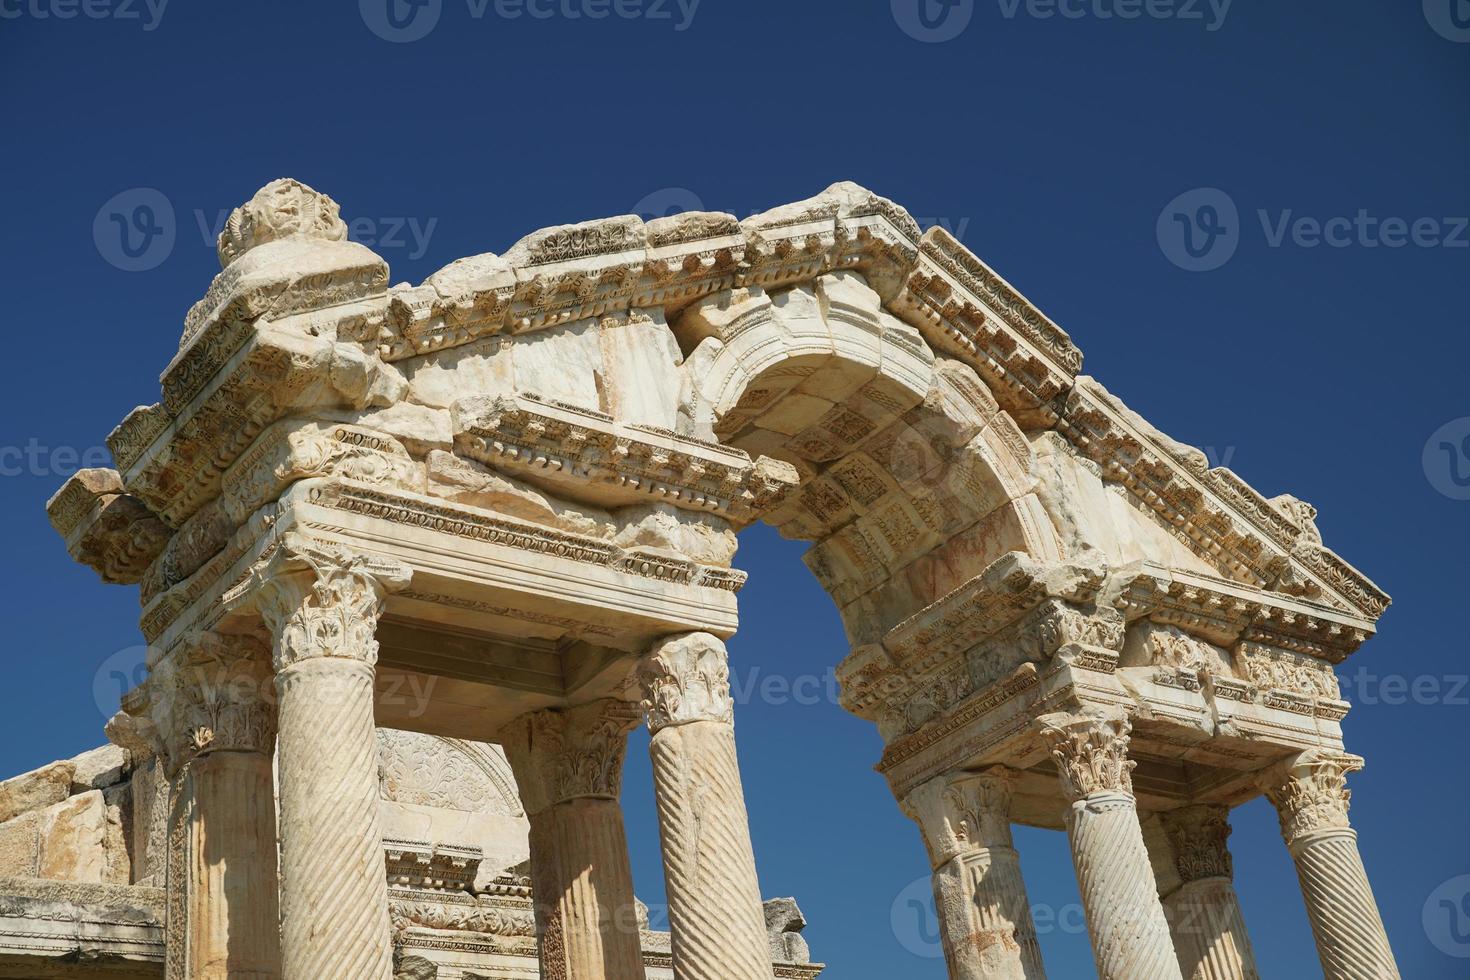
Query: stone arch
x=913, y=478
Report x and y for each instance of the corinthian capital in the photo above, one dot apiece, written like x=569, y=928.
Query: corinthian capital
x=1310, y=792
x=963, y=812
x=212, y=693
x=686, y=678
x=322, y=601
x=1091, y=751
x=1199, y=835
x=572, y=754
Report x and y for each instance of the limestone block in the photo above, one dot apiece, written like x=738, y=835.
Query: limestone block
x=702, y=537
x=484, y=367
x=20, y=845
x=561, y=363
x=419, y=428
x=36, y=790
x=73, y=840
x=468, y=482
x=641, y=362
x=100, y=768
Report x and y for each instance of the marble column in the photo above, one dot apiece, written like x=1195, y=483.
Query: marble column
x=1311, y=797
x=715, y=910
x=322, y=607
x=569, y=768
x=1195, y=874
x=217, y=719
x=984, y=916
x=1130, y=935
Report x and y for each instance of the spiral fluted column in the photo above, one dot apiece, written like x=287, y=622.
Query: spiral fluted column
x=715, y=910
x=1311, y=797
x=984, y=916
x=216, y=727
x=1195, y=875
x=322, y=606
x=569, y=766
x=1130, y=934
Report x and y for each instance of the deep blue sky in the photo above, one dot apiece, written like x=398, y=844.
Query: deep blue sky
x=1050, y=145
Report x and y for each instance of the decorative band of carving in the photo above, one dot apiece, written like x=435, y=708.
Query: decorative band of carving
x=572, y=754
x=1091, y=751
x=684, y=679
x=1310, y=792
x=322, y=601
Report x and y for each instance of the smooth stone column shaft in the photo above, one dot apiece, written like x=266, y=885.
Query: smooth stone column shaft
x=586, y=915
x=715, y=909
x=335, y=920
x=234, y=921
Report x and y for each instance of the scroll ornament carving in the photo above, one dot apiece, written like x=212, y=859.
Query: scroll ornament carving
x=480, y=917
x=284, y=208
x=425, y=770
x=685, y=679
x=1310, y=792
x=323, y=602
x=1200, y=836
x=572, y=754
x=1091, y=751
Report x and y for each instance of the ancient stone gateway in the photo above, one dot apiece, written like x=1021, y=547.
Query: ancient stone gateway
x=516, y=488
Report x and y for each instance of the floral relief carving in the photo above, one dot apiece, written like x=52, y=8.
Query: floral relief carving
x=1200, y=835
x=570, y=754
x=1310, y=792
x=425, y=770
x=686, y=679
x=1090, y=749
x=323, y=602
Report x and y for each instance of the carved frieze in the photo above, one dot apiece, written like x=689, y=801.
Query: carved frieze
x=106, y=528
